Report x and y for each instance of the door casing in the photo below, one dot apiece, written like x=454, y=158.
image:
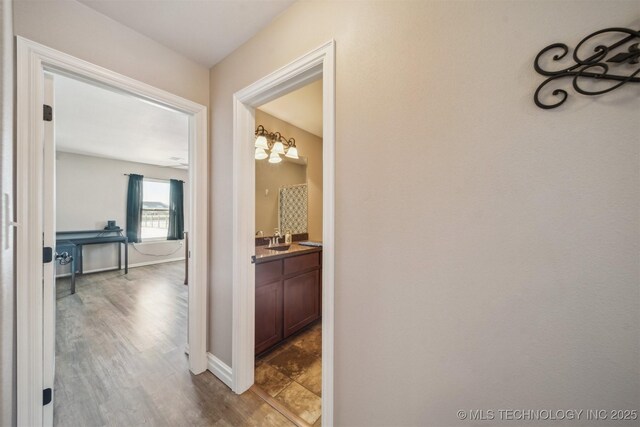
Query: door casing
x=319, y=63
x=33, y=60
x=49, y=240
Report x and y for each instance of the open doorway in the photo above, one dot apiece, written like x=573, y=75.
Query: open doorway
x=315, y=65
x=288, y=229
x=121, y=213
x=36, y=266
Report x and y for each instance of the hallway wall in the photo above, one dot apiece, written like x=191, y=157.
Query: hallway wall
x=78, y=30
x=509, y=272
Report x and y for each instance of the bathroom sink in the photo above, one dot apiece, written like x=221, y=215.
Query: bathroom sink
x=279, y=248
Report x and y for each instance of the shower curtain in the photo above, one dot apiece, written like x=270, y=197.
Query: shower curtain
x=292, y=209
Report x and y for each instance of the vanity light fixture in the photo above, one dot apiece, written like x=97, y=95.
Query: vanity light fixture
x=292, y=153
x=276, y=143
x=278, y=148
x=261, y=142
x=261, y=154
x=275, y=158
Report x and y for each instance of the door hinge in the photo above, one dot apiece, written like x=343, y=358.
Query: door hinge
x=47, y=113
x=46, y=396
x=47, y=255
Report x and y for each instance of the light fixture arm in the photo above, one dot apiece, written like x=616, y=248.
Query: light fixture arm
x=273, y=137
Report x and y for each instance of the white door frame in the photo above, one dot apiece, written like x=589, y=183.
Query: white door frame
x=49, y=240
x=33, y=60
x=315, y=64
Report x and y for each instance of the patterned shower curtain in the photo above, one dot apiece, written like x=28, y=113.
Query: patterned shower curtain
x=292, y=208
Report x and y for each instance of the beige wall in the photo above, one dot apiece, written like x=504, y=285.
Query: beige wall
x=73, y=28
x=487, y=250
x=309, y=146
x=91, y=190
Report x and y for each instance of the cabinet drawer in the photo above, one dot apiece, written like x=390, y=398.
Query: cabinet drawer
x=268, y=272
x=301, y=262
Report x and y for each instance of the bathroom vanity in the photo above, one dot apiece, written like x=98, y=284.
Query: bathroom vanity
x=288, y=292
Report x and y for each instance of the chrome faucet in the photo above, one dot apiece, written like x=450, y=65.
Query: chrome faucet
x=275, y=239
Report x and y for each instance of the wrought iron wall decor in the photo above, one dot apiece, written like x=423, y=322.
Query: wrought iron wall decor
x=617, y=63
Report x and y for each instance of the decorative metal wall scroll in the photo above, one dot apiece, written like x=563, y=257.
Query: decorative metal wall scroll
x=617, y=63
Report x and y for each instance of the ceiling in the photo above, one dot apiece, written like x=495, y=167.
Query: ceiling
x=302, y=108
x=204, y=30
x=94, y=121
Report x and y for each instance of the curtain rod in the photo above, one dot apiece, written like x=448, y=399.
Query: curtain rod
x=157, y=179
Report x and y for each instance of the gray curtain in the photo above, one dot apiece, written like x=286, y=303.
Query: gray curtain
x=134, y=208
x=176, y=210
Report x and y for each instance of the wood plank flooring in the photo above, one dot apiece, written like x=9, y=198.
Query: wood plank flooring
x=120, y=357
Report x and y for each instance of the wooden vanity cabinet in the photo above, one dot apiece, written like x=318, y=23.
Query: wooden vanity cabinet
x=288, y=297
x=268, y=305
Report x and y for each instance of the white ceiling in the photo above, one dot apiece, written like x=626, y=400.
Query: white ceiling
x=302, y=108
x=204, y=30
x=94, y=121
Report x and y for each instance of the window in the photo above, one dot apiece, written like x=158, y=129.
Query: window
x=155, y=209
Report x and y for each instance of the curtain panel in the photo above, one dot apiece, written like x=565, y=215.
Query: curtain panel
x=176, y=210
x=134, y=208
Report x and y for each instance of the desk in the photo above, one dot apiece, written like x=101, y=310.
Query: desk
x=69, y=247
x=93, y=237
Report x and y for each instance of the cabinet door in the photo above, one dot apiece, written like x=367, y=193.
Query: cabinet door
x=268, y=315
x=301, y=302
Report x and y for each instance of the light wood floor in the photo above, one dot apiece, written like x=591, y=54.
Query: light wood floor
x=120, y=357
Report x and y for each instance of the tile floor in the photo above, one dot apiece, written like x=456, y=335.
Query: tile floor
x=292, y=374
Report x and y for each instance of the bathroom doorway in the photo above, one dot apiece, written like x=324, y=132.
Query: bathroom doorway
x=317, y=64
x=288, y=253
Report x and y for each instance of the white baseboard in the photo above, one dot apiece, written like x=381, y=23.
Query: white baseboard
x=138, y=264
x=219, y=369
x=94, y=270
x=161, y=261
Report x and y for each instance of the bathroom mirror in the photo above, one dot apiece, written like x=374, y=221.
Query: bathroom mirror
x=281, y=196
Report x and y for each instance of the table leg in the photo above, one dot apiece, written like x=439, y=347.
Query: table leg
x=119, y=256
x=80, y=262
x=126, y=258
x=73, y=271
